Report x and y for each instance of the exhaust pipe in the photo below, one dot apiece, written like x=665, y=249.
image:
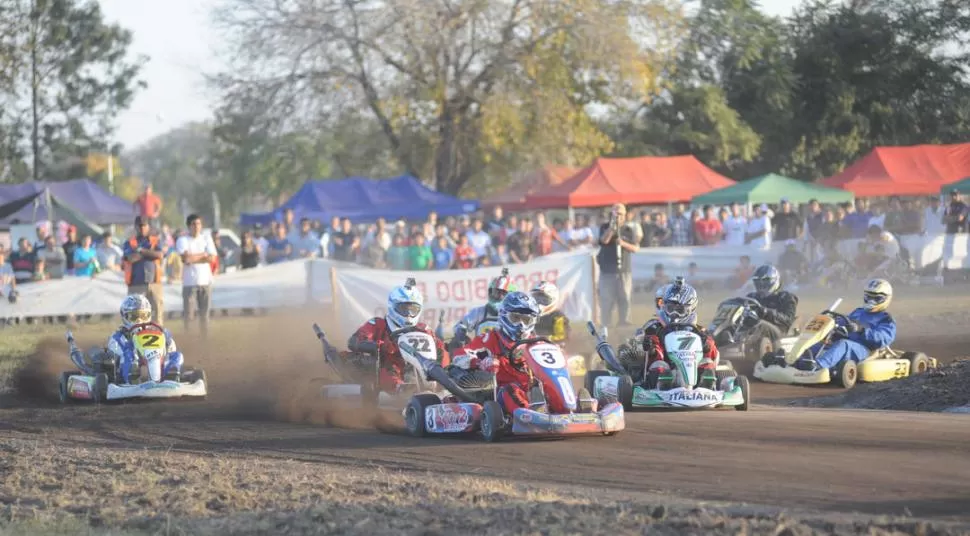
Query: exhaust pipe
x=605, y=351
x=434, y=371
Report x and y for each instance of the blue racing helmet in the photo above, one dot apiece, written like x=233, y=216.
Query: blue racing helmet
x=680, y=304
x=518, y=314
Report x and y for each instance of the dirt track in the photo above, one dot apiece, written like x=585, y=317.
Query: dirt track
x=848, y=461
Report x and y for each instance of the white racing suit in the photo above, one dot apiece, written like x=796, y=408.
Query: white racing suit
x=479, y=318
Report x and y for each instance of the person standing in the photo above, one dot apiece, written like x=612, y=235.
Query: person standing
x=142, y=264
x=149, y=205
x=197, y=251
x=617, y=242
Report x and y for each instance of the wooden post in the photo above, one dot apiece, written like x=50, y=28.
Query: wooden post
x=333, y=292
x=596, y=285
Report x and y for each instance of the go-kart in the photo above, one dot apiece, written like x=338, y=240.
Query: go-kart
x=731, y=329
x=884, y=364
x=142, y=372
x=554, y=408
x=682, y=387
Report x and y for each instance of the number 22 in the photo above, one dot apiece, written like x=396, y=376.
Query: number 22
x=421, y=345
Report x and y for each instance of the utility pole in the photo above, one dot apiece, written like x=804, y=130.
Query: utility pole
x=35, y=132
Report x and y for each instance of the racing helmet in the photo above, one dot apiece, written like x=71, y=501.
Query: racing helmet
x=546, y=295
x=767, y=280
x=877, y=295
x=135, y=309
x=517, y=315
x=499, y=287
x=659, y=296
x=404, y=305
x=680, y=305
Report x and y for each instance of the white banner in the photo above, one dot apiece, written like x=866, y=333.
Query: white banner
x=360, y=294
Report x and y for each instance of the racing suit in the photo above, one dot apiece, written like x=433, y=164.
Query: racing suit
x=122, y=349
x=878, y=331
x=490, y=351
x=375, y=336
x=553, y=326
x=778, y=316
x=465, y=329
x=654, y=348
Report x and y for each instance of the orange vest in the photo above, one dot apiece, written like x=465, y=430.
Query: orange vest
x=126, y=264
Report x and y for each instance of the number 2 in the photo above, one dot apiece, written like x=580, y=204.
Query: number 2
x=900, y=370
x=151, y=341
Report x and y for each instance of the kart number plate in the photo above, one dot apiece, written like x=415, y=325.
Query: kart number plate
x=817, y=323
x=548, y=356
x=150, y=340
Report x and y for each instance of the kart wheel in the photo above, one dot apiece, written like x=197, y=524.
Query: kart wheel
x=759, y=348
x=848, y=373
x=918, y=362
x=493, y=421
x=414, y=413
x=100, y=393
x=723, y=375
x=196, y=375
x=742, y=381
x=62, y=387
x=624, y=391
x=591, y=381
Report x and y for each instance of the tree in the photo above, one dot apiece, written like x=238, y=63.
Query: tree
x=459, y=89
x=65, y=74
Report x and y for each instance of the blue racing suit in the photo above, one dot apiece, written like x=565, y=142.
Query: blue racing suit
x=123, y=350
x=878, y=331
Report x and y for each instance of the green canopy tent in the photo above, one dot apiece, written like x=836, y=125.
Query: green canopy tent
x=962, y=186
x=771, y=188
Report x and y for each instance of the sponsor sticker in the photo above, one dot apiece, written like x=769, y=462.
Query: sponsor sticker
x=451, y=418
x=693, y=396
x=79, y=388
x=606, y=386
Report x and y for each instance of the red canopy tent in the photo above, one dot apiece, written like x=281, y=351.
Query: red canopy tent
x=636, y=181
x=513, y=197
x=912, y=170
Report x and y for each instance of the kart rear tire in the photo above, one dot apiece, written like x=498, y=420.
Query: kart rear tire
x=100, y=393
x=591, y=376
x=493, y=421
x=918, y=362
x=62, y=387
x=624, y=391
x=742, y=381
x=724, y=374
x=848, y=373
x=414, y=413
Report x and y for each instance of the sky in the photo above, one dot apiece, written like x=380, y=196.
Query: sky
x=177, y=38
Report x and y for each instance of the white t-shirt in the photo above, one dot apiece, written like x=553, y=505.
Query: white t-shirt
x=760, y=225
x=198, y=274
x=734, y=229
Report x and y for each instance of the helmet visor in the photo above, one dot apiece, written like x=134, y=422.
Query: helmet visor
x=525, y=320
x=138, y=316
x=763, y=284
x=675, y=309
x=543, y=299
x=407, y=309
x=873, y=299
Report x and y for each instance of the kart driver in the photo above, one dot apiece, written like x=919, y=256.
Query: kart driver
x=679, y=313
x=465, y=329
x=379, y=335
x=778, y=306
x=491, y=351
x=552, y=323
x=136, y=309
x=870, y=328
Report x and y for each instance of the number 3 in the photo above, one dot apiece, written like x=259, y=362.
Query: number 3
x=548, y=358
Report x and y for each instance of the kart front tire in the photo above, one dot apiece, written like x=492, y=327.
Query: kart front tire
x=918, y=362
x=848, y=373
x=493, y=421
x=62, y=387
x=414, y=413
x=100, y=393
x=591, y=376
x=624, y=391
x=742, y=381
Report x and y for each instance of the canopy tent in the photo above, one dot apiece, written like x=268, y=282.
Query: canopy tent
x=362, y=199
x=83, y=196
x=635, y=181
x=772, y=188
x=43, y=205
x=513, y=197
x=912, y=170
x=962, y=186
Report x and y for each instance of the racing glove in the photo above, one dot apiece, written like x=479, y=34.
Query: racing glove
x=853, y=327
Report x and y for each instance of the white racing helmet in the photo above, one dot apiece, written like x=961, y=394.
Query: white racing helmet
x=404, y=306
x=877, y=295
x=546, y=294
x=135, y=309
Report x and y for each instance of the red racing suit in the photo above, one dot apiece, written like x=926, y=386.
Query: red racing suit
x=653, y=345
x=376, y=331
x=490, y=353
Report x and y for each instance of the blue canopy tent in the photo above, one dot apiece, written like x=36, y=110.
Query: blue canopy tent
x=364, y=200
x=81, y=196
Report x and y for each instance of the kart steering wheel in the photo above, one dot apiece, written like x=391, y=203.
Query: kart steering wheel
x=840, y=329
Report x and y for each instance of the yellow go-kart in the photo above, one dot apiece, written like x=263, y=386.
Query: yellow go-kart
x=783, y=366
